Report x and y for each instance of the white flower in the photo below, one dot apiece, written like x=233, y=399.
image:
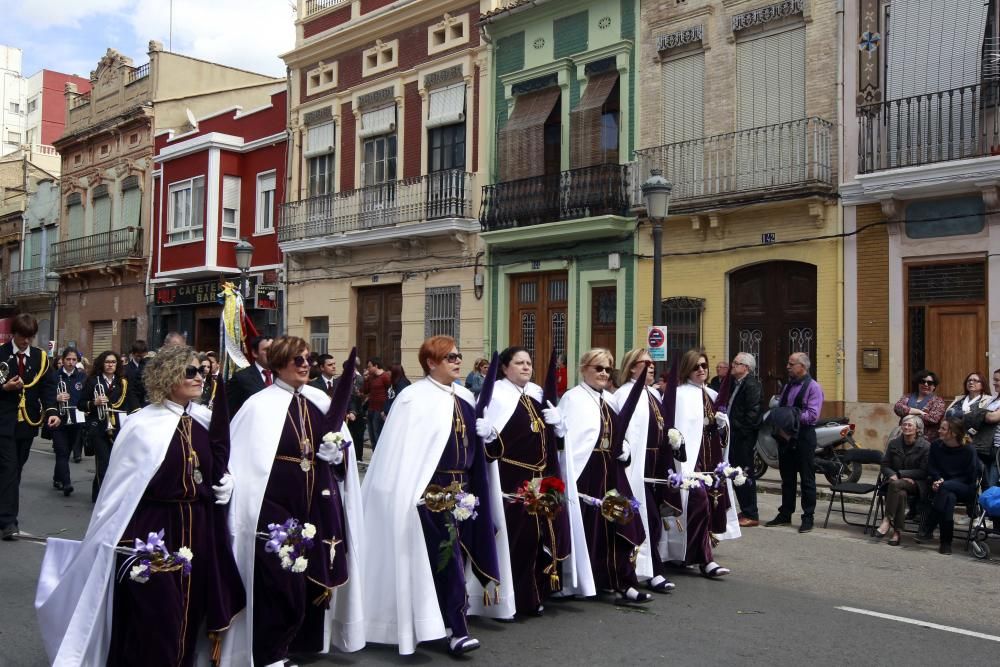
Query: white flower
x=301, y=563
x=284, y=550
x=461, y=513
x=186, y=554
x=740, y=479
x=469, y=501
x=286, y=563
x=676, y=438
x=335, y=438
x=139, y=574
x=308, y=531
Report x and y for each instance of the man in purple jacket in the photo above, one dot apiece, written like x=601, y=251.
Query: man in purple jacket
x=795, y=455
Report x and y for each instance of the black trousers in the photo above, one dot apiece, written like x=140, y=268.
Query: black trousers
x=13, y=455
x=102, y=456
x=741, y=449
x=357, y=431
x=64, y=439
x=798, y=461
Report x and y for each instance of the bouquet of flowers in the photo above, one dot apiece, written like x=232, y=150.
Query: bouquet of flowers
x=290, y=541
x=615, y=507
x=458, y=505
x=152, y=557
x=337, y=438
x=735, y=474
x=709, y=480
x=676, y=439
x=541, y=495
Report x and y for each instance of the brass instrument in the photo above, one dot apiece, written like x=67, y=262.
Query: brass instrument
x=102, y=410
x=4, y=372
x=63, y=405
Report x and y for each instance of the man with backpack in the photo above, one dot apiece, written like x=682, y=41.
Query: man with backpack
x=795, y=421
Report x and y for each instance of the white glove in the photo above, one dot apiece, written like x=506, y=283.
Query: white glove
x=485, y=430
x=554, y=418
x=722, y=420
x=626, y=452
x=330, y=453
x=224, y=491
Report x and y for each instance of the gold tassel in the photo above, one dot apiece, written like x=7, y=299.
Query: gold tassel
x=496, y=594
x=323, y=597
x=486, y=598
x=216, y=639
x=713, y=539
x=553, y=569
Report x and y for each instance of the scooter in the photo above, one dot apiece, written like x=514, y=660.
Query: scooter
x=833, y=437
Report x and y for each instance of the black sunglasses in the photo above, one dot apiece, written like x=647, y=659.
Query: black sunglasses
x=192, y=371
x=703, y=367
x=602, y=369
x=930, y=383
x=301, y=360
x=452, y=357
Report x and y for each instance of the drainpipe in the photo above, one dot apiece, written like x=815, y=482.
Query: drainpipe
x=289, y=154
x=842, y=360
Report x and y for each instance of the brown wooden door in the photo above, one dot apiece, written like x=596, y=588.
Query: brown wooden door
x=380, y=323
x=957, y=337
x=772, y=314
x=603, y=315
x=538, y=316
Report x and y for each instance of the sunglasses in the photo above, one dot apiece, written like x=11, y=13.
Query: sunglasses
x=929, y=383
x=703, y=367
x=191, y=371
x=300, y=360
x=602, y=369
x=452, y=357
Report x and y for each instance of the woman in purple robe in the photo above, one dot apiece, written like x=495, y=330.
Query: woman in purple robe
x=523, y=440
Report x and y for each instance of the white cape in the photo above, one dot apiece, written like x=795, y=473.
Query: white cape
x=399, y=588
x=75, y=587
x=254, y=435
x=689, y=420
x=636, y=435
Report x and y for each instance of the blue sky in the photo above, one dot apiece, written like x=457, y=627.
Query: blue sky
x=72, y=35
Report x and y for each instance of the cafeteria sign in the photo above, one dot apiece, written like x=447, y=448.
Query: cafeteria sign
x=190, y=294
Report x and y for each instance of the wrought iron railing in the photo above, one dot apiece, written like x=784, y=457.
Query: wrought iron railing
x=103, y=247
x=27, y=282
x=316, y=6
x=923, y=129
x=569, y=195
x=443, y=194
x=140, y=72
x=772, y=157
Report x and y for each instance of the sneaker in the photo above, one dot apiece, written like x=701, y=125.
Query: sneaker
x=779, y=520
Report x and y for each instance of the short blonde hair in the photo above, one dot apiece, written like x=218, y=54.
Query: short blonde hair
x=597, y=355
x=631, y=358
x=166, y=370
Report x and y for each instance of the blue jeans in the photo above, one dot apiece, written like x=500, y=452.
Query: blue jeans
x=375, y=423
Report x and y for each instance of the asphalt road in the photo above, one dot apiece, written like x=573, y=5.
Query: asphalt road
x=781, y=606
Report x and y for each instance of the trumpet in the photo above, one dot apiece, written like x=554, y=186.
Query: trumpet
x=102, y=410
x=4, y=372
x=63, y=405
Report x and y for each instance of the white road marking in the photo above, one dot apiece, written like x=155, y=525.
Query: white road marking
x=923, y=624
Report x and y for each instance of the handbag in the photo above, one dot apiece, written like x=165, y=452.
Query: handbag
x=989, y=500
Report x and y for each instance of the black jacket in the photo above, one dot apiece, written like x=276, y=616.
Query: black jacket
x=74, y=387
x=744, y=412
x=320, y=383
x=133, y=374
x=910, y=462
x=120, y=397
x=242, y=385
x=39, y=393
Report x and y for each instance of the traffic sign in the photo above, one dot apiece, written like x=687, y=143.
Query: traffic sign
x=656, y=343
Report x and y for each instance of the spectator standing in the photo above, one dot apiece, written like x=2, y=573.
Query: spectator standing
x=376, y=390
x=922, y=401
x=399, y=382
x=797, y=445
x=988, y=455
x=562, y=375
x=904, y=466
x=744, y=420
x=133, y=370
x=326, y=381
x=474, y=380
x=66, y=436
x=721, y=371
x=248, y=381
x=356, y=412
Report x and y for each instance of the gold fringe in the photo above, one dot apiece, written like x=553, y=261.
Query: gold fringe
x=713, y=539
x=553, y=569
x=323, y=597
x=486, y=598
x=216, y=638
x=496, y=594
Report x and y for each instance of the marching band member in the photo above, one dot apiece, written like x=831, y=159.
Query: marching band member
x=522, y=440
x=423, y=524
x=705, y=511
x=98, y=602
x=594, y=461
x=104, y=396
x=652, y=458
x=294, y=510
x=69, y=381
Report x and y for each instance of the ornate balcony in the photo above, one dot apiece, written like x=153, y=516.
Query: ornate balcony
x=948, y=125
x=119, y=245
x=570, y=195
x=442, y=195
x=28, y=283
x=316, y=6
x=769, y=162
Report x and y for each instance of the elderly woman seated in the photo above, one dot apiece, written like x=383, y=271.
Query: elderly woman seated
x=904, y=468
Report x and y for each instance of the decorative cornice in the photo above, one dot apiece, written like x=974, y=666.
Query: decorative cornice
x=444, y=76
x=680, y=38
x=319, y=116
x=532, y=85
x=762, y=15
x=376, y=97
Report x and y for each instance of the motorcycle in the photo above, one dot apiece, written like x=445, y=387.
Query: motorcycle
x=833, y=438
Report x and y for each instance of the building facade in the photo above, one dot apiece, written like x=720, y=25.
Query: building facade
x=212, y=186
x=739, y=110
x=379, y=228
x=920, y=197
x=107, y=152
x=556, y=212
x=13, y=88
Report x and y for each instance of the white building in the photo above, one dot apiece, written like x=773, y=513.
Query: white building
x=13, y=96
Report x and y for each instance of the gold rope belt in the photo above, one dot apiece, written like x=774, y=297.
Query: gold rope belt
x=528, y=466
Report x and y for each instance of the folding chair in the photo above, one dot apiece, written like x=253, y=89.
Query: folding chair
x=863, y=456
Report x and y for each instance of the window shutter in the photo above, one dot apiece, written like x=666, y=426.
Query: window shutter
x=521, y=142
x=101, y=339
x=683, y=109
x=319, y=139
x=231, y=192
x=446, y=106
x=585, y=121
x=102, y=213
x=131, y=206
x=379, y=121
x=266, y=182
x=75, y=215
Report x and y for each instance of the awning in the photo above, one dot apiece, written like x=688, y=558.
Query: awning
x=586, y=121
x=447, y=106
x=379, y=121
x=522, y=140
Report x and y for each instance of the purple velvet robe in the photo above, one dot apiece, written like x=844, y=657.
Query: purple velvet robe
x=659, y=462
x=160, y=619
x=706, y=510
x=612, y=547
x=536, y=544
x=289, y=607
x=463, y=460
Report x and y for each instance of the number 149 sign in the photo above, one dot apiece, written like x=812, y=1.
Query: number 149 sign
x=656, y=343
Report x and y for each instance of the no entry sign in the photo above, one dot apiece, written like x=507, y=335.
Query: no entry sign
x=656, y=343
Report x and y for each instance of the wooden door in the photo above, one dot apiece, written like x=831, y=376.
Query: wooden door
x=957, y=337
x=538, y=304
x=380, y=323
x=772, y=314
x=603, y=316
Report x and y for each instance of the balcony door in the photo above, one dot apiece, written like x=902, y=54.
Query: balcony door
x=380, y=323
x=772, y=313
x=446, y=172
x=379, y=178
x=538, y=304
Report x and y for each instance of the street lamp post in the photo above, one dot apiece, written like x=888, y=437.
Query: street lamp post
x=656, y=193
x=244, y=258
x=52, y=287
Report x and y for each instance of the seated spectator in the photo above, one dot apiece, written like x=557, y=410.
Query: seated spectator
x=904, y=467
x=951, y=468
x=922, y=401
x=988, y=451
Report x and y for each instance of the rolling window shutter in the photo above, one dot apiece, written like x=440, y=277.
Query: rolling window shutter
x=521, y=143
x=319, y=139
x=379, y=121
x=446, y=106
x=585, y=121
x=102, y=338
x=683, y=123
